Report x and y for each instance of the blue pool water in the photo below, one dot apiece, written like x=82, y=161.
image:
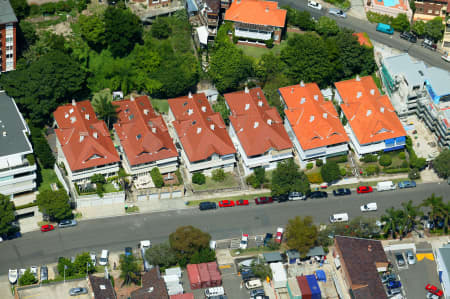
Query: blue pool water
x=390, y=3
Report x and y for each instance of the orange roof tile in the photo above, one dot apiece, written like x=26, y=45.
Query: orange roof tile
x=201, y=131
x=84, y=139
x=258, y=126
x=370, y=115
x=314, y=121
x=256, y=12
x=363, y=39
x=142, y=133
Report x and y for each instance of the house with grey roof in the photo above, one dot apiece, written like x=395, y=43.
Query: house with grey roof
x=8, y=24
x=17, y=174
x=415, y=88
x=443, y=268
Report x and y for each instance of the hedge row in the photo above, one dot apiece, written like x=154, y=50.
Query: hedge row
x=396, y=170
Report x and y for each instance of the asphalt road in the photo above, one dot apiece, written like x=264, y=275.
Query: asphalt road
x=394, y=41
x=38, y=248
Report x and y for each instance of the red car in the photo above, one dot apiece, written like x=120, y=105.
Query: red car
x=242, y=202
x=279, y=235
x=263, y=200
x=434, y=290
x=47, y=228
x=226, y=203
x=364, y=189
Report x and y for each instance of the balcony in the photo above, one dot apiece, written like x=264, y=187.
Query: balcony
x=10, y=171
x=253, y=34
x=18, y=180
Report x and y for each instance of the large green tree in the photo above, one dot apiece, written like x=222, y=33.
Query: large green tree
x=161, y=255
x=83, y=263
x=130, y=270
x=434, y=204
x=27, y=278
x=442, y=163
x=330, y=172
x=123, y=30
x=7, y=215
x=161, y=28
x=410, y=214
x=93, y=31
x=400, y=23
x=301, y=234
x=327, y=26
x=287, y=177
x=21, y=8
x=50, y=81
x=419, y=28
x=187, y=240
x=104, y=108
x=392, y=221
x=54, y=204
x=435, y=28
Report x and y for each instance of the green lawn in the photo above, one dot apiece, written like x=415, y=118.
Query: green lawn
x=257, y=52
x=48, y=177
x=109, y=187
x=229, y=182
x=160, y=105
x=248, y=197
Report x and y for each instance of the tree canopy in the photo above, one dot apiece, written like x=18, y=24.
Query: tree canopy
x=287, y=177
x=435, y=28
x=130, y=270
x=7, y=215
x=327, y=26
x=330, y=171
x=442, y=163
x=54, y=204
x=160, y=28
x=301, y=234
x=93, y=31
x=161, y=255
x=187, y=240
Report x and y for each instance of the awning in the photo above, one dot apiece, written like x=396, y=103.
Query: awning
x=202, y=33
x=320, y=274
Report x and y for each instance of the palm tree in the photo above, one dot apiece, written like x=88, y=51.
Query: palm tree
x=129, y=270
x=435, y=204
x=104, y=108
x=445, y=209
x=410, y=214
x=392, y=218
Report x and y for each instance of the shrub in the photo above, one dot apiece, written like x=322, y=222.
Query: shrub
x=343, y=171
x=157, y=177
x=179, y=176
x=395, y=170
x=404, y=164
x=414, y=174
x=198, y=178
x=27, y=278
x=330, y=172
x=41, y=148
x=315, y=178
x=319, y=162
x=369, y=158
x=372, y=169
x=309, y=166
x=31, y=160
x=402, y=155
x=269, y=43
x=385, y=160
x=252, y=181
x=218, y=175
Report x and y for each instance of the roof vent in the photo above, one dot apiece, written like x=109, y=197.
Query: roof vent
x=246, y=90
x=260, y=103
x=66, y=115
x=316, y=97
x=71, y=110
x=369, y=112
x=199, y=130
x=95, y=134
x=311, y=118
x=146, y=111
x=247, y=106
x=302, y=84
x=81, y=138
x=73, y=102
x=190, y=111
x=102, y=287
x=372, y=91
x=302, y=100
x=212, y=127
x=267, y=9
x=382, y=109
x=73, y=119
x=358, y=78
x=255, y=125
x=150, y=289
x=153, y=130
x=292, y=90
x=190, y=95
x=87, y=116
x=269, y=122
x=132, y=98
x=4, y=133
x=358, y=94
x=258, y=95
x=204, y=108
x=325, y=115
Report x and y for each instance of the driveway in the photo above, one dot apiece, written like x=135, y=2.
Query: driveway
x=58, y=290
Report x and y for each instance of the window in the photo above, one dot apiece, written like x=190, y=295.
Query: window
x=430, y=11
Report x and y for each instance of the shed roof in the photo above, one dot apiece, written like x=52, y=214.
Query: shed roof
x=272, y=257
x=316, y=251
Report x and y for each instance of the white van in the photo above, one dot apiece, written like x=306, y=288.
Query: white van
x=372, y=206
x=385, y=186
x=103, y=261
x=216, y=291
x=253, y=284
x=342, y=217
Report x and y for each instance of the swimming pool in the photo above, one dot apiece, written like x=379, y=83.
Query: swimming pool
x=390, y=3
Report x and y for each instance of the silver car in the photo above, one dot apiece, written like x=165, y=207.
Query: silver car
x=410, y=257
x=67, y=223
x=77, y=291
x=337, y=12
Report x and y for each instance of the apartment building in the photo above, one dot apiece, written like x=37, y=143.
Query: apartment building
x=257, y=130
x=17, y=174
x=429, y=9
x=8, y=41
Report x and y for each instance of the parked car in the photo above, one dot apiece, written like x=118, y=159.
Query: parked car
x=385, y=28
x=77, y=291
x=429, y=44
x=434, y=290
x=128, y=251
x=409, y=36
x=432, y=296
x=67, y=223
x=47, y=228
x=364, y=189
x=341, y=192
x=226, y=203
x=253, y=284
x=44, y=273
x=279, y=235
x=315, y=5
x=337, y=12
x=263, y=200
x=258, y=292
x=388, y=277
x=395, y=284
x=392, y=292
x=372, y=206
x=93, y=258
x=247, y=274
x=103, y=261
x=317, y=194
x=244, y=241
x=267, y=238
x=242, y=202
x=296, y=196
x=446, y=57
x=400, y=259
x=410, y=257
x=207, y=205
x=407, y=184
x=281, y=198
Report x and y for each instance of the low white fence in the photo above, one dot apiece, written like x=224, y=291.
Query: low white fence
x=95, y=200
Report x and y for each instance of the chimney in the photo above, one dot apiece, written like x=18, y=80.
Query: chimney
x=311, y=118
x=358, y=78
x=302, y=84
x=153, y=130
x=81, y=138
x=146, y=111
x=199, y=130
x=269, y=122
x=255, y=125
x=260, y=103
x=204, y=108
x=212, y=127
x=358, y=94
x=267, y=9
x=132, y=98
x=325, y=115
x=73, y=102
x=66, y=115
x=292, y=90
x=382, y=109
x=190, y=95
x=372, y=91
x=95, y=134
x=369, y=112
x=86, y=116
x=247, y=106
x=190, y=111
x=246, y=89
x=71, y=110
x=302, y=100
x=316, y=97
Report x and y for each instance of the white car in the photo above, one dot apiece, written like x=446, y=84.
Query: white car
x=410, y=257
x=244, y=241
x=315, y=5
x=446, y=57
x=369, y=207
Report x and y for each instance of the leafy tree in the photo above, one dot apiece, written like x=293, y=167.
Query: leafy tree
x=27, y=278
x=301, y=234
x=260, y=175
x=50, y=81
x=304, y=21
x=288, y=178
x=414, y=174
x=221, y=107
x=65, y=262
x=187, y=240
x=26, y=36
x=319, y=162
x=261, y=270
x=21, y=8
x=445, y=210
x=392, y=219
x=218, y=175
x=385, y=160
x=161, y=28
x=416, y=162
x=41, y=148
x=400, y=23
x=330, y=172
x=268, y=67
x=204, y=255
x=83, y=263
x=412, y=5
x=54, y=204
x=327, y=26
x=410, y=214
x=7, y=215
x=93, y=31
x=104, y=108
x=435, y=204
x=130, y=270
x=98, y=179
x=198, y=178
x=123, y=30
x=157, y=177
x=161, y=255
x=435, y=28
x=442, y=163
x=419, y=28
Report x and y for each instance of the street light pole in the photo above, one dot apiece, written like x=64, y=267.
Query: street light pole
x=65, y=267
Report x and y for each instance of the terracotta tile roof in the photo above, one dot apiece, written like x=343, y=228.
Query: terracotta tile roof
x=363, y=39
x=258, y=126
x=201, y=131
x=84, y=139
x=370, y=115
x=256, y=12
x=102, y=288
x=142, y=133
x=153, y=286
x=360, y=257
x=315, y=121
x=183, y=296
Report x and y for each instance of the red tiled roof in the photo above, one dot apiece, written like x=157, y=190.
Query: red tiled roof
x=84, y=139
x=370, y=115
x=142, y=133
x=314, y=121
x=201, y=131
x=256, y=12
x=183, y=296
x=258, y=126
x=363, y=39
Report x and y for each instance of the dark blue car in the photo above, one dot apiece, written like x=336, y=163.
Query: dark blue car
x=394, y=284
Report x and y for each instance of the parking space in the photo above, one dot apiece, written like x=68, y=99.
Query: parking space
x=60, y=291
